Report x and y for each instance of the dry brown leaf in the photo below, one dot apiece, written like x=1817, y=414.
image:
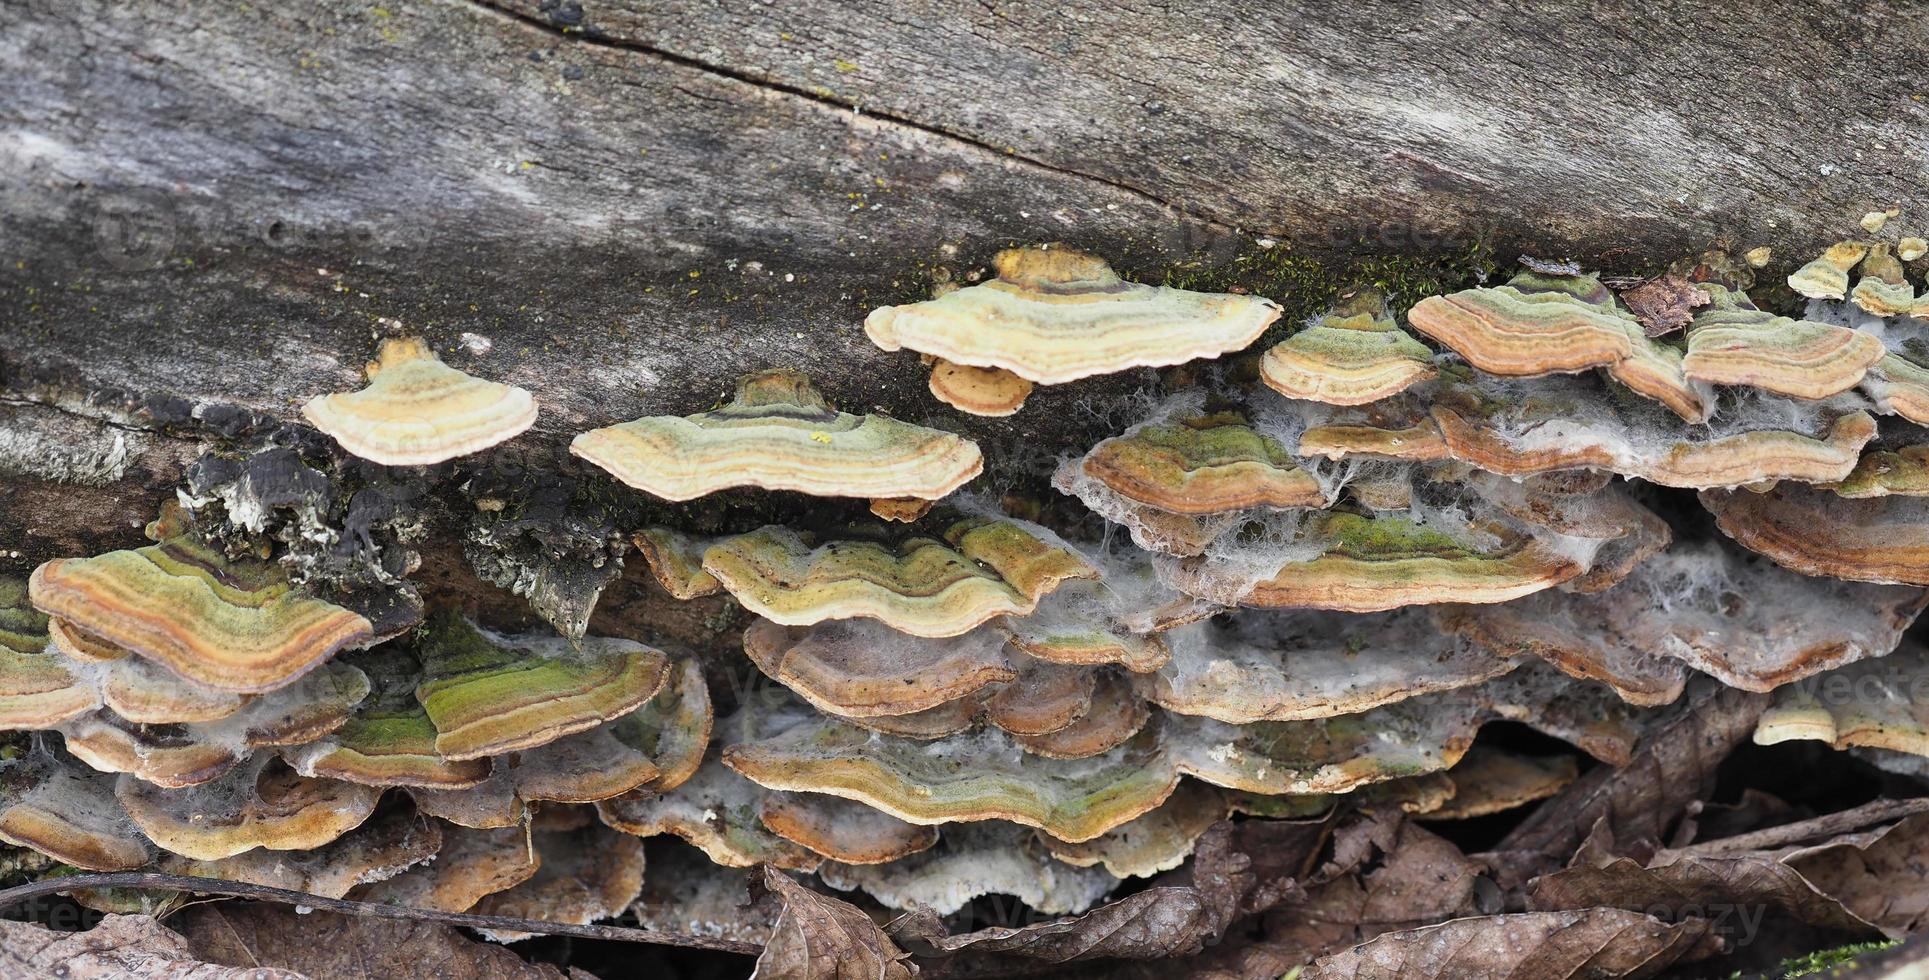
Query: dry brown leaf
x=818, y=937
x=1665, y=303
x=121, y=947
x=1386, y=873
x=1524, y=946
x=1733, y=892
x=344, y=947
x=1880, y=876
x=1633, y=805
x=1237, y=869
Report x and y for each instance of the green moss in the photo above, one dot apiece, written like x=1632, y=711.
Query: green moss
x=1386, y=538
x=1827, y=959
x=1305, y=283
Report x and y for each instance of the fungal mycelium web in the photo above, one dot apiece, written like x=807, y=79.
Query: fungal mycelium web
x=1332, y=570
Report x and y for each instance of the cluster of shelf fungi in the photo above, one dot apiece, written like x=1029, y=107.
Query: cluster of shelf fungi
x=1329, y=577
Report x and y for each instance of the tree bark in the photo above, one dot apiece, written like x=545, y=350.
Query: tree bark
x=210, y=209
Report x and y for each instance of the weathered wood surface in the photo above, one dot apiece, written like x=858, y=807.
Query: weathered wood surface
x=210, y=206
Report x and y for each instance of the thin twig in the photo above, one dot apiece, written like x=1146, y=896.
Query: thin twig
x=237, y=889
x=1826, y=825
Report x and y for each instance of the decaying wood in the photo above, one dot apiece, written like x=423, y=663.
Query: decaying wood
x=622, y=205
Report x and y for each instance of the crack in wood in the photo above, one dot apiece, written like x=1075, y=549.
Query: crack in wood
x=792, y=91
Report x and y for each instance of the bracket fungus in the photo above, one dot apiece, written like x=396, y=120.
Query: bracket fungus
x=1264, y=665
x=984, y=569
x=389, y=740
x=395, y=839
x=417, y=411
x=1827, y=276
x=1733, y=343
x=653, y=749
x=861, y=669
x=1160, y=840
x=1870, y=704
x=1334, y=607
x=469, y=865
x=1195, y=464
x=718, y=811
x=1461, y=551
x=985, y=775
x=51, y=803
x=233, y=625
x=1740, y=618
x=974, y=860
x=36, y=689
x=1116, y=619
x=1817, y=532
x=779, y=434
x=1555, y=324
x=1902, y=471
x=185, y=755
x=843, y=831
x=1884, y=288
x=1350, y=355
x=987, y=391
x=261, y=804
x=487, y=693
x=1535, y=324
x=1520, y=428
x=586, y=873
x=675, y=562
x=1488, y=781
x=1055, y=314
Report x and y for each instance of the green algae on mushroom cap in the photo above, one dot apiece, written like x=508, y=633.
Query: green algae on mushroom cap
x=417, y=411
x=649, y=751
x=389, y=740
x=37, y=690
x=230, y=624
x=1827, y=276
x=1350, y=355
x=778, y=434
x=1354, y=563
x=1055, y=314
x=487, y=693
x=1902, y=471
x=1733, y=343
x=1199, y=464
x=980, y=775
x=920, y=586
